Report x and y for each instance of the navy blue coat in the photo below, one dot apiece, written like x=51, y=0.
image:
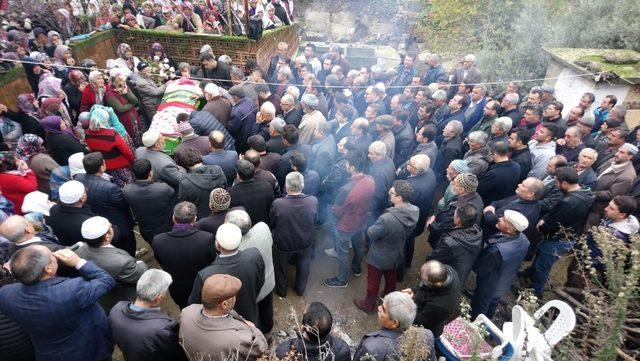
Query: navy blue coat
x=62, y=315
x=204, y=123
x=242, y=122
x=499, y=181
x=424, y=187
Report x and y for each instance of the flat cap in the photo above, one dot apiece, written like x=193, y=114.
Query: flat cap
x=220, y=287
x=237, y=91
x=517, y=220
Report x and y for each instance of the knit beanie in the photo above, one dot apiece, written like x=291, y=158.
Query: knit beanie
x=460, y=165
x=468, y=182
x=219, y=200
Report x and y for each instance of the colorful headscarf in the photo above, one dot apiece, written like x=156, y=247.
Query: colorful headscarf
x=99, y=120
x=156, y=47
x=122, y=49
x=7, y=161
x=25, y=103
x=50, y=87
x=28, y=146
x=51, y=124
x=187, y=5
x=50, y=106
x=76, y=77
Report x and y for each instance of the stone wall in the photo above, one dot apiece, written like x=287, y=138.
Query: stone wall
x=13, y=83
x=99, y=47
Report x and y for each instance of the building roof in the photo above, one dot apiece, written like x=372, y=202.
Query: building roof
x=628, y=73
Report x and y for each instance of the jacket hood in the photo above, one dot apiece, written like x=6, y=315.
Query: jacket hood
x=206, y=177
x=630, y=227
x=407, y=214
x=469, y=238
x=585, y=195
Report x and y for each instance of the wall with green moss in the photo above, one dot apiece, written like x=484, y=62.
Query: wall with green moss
x=13, y=83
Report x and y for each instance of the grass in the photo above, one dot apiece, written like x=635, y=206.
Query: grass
x=12, y=74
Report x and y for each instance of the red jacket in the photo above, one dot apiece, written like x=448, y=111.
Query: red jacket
x=88, y=99
x=15, y=187
x=353, y=202
x=114, y=149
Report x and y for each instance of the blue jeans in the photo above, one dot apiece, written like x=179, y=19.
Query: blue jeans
x=343, y=239
x=547, y=253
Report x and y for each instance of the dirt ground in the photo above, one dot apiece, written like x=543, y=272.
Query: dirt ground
x=349, y=322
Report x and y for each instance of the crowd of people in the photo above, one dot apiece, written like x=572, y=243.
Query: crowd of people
x=376, y=156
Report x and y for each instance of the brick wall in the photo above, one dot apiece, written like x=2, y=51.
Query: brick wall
x=13, y=84
x=99, y=47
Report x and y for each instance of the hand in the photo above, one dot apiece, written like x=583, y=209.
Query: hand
x=489, y=209
x=408, y=291
x=561, y=141
x=540, y=223
x=22, y=165
x=7, y=266
x=259, y=118
x=67, y=257
x=431, y=220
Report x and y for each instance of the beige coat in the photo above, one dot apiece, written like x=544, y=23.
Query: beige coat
x=216, y=339
x=609, y=185
x=176, y=22
x=308, y=124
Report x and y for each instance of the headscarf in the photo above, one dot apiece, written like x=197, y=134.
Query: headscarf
x=25, y=103
x=50, y=106
x=58, y=54
x=50, y=36
x=51, y=124
x=28, y=146
x=156, y=47
x=18, y=38
x=76, y=77
x=187, y=5
x=122, y=49
x=99, y=120
x=100, y=91
x=50, y=87
x=8, y=161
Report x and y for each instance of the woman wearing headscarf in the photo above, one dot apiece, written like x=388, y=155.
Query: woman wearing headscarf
x=101, y=137
x=124, y=103
x=50, y=87
x=74, y=88
x=27, y=116
x=39, y=40
x=33, y=71
x=31, y=151
x=126, y=60
x=158, y=55
x=66, y=24
x=60, y=139
x=55, y=106
x=16, y=180
x=94, y=93
x=63, y=57
x=53, y=40
x=10, y=129
x=103, y=16
x=187, y=20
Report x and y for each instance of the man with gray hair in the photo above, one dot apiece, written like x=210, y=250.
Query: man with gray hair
x=217, y=105
x=478, y=156
x=291, y=112
x=20, y=232
x=311, y=119
x=383, y=172
x=140, y=329
x=571, y=144
x=183, y=251
x=292, y=220
x=436, y=71
x=510, y=108
x=395, y=315
x=258, y=237
x=500, y=130
x=450, y=149
x=467, y=73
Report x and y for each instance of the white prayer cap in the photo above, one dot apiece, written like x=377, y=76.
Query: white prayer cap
x=75, y=164
x=37, y=202
x=71, y=192
x=95, y=227
x=632, y=149
x=149, y=138
x=229, y=236
x=517, y=220
x=212, y=89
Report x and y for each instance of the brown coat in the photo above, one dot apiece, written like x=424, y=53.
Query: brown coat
x=217, y=338
x=220, y=108
x=609, y=186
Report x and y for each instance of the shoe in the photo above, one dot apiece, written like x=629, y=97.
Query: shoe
x=331, y=252
x=334, y=283
x=363, y=307
x=356, y=273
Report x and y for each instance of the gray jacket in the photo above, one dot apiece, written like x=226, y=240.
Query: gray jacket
x=259, y=237
x=164, y=167
x=150, y=94
x=388, y=235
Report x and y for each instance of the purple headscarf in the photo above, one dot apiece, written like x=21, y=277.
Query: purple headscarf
x=50, y=87
x=52, y=125
x=25, y=103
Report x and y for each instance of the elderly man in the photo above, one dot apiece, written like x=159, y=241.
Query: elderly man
x=360, y=137
x=258, y=237
x=614, y=178
x=66, y=217
x=586, y=175
x=395, y=315
x=21, y=233
x=450, y=149
x=438, y=295
x=574, y=115
x=497, y=265
x=98, y=234
x=275, y=144
x=520, y=153
x=383, y=172
x=183, y=251
x=442, y=108
x=42, y=302
x=225, y=159
x=542, y=148
x=436, y=71
x=383, y=124
x=291, y=114
x=501, y=179
x=571, y=145
x=217, y=105
x=247, y=265
x=609, y=148
x=140, y=329
x=311, y=119
x=264, y=117
x=510, y=108
x=213, y=329
x=242, y=118
x=387, y=238
x=106, y=200
x=164, y=167
x=479, y=155
x=219, y=202
x=149, y=92
x=475, y=110
x=500, y=130
x=292, y=220
x=464, y=189
x=467, y=73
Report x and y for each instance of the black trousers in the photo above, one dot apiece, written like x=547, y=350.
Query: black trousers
x=302, y=261
x=265, y=313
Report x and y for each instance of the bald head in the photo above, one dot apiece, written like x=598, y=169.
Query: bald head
x=253, y=157
x=433, y=273
x=216, y=139
x=421, y=162
x=16, y=229
x=29, y=264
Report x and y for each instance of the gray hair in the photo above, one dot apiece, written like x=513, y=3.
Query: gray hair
x=14, y=227
x=288, y=99
x=286, y=71
x=621, y=111
x=593, y=152
x=470, y=57
x=294, y=182
x=512, y=98
x=504, y=123
x=153, y=283
x=482, y=87
x=294, y=92
x=433, y=57
x=268, y=108
x=237, y=73
x=225, y=59
x=353, y=73
x=421, y=162
x=27, y=265
x=479, y=136
x=184, y=212
x=401, y=308
x=575, y=130
x=378, y=148
x=240, y=218
x=456, y=126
